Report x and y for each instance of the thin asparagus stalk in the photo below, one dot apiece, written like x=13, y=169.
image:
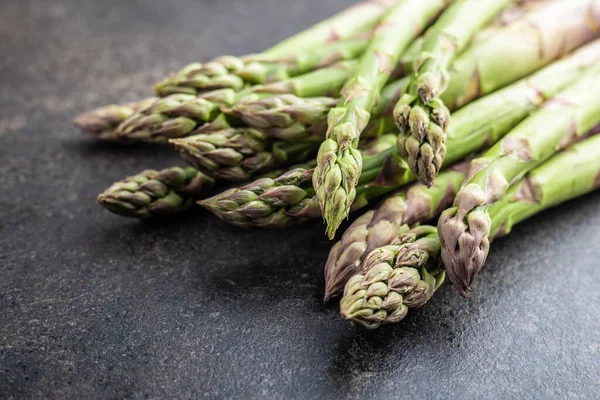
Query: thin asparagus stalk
x=562, y=121
x=398, y=277
x=382, y=294
x=180, y=115
x=476, y=126
x=237, y=154
x=339, y=163
x=100, y=123
x=421, y=117
x=330, y=40
x=381, y=226
x=154, y=193
x=286, y=200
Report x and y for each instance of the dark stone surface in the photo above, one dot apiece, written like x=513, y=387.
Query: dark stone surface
x=94, y=306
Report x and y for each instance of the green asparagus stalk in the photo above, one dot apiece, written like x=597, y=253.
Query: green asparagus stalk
x=498, y=57
x=328, y=41
x=339, y=162
x=381, y=226
x=421, y=117
x=361, y=17
x=562, y=121
x=237, y=154
x=476, y=126
x=398, y=277
x=101, y=123
x=180, y=115
x=287, y=199
x=156, y=193
x=229, y=72
x=538, y=38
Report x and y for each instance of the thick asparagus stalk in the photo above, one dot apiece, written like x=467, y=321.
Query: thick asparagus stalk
x=421, y=117
x=381, y=226
x=398, y=277
x=156, y=193
x=181, y=114
x=538, y=38
x=237, y=154
x=563, y=120
x=339, y=161
x=325, y=42
x=475, y=127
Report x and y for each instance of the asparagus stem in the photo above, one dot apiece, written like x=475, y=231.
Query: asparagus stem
x=562, y=121
x=339, y=162
x=156, y=193
x=421, y=117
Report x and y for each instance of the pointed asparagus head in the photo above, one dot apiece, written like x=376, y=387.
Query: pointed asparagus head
x=465, y=246
x=156, y=193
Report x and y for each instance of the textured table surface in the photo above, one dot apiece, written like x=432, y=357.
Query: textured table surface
x=94, y=306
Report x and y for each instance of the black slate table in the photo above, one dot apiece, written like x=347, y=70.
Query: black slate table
x=94, y=306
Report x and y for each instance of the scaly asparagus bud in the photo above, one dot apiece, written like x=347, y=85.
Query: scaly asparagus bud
x=100, y=123
x=237, y=154
x=156, y=193
x=285, y=117
x=399, y=277
x=421, y=117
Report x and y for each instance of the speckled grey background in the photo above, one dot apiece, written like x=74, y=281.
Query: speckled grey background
x=93, y=306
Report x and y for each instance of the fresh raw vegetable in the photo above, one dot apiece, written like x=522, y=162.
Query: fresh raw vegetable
x=339, y=162
x=562, y=121
x=154, y=193
x=406, y=274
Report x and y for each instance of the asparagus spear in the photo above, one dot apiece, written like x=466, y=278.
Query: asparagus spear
x=421, y=117
x=287, y=199
x=181, y=114
x=381, y=226
x=475, y=127
x=325, y=42
x=156, y=193
x=398, y=277
x=237, y=154
x=229, y=72
x=382, y=293
x=563, y=120
x=339, y=161
x=100, y=123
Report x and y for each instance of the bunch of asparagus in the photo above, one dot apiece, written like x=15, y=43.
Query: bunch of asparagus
x=477, y=105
